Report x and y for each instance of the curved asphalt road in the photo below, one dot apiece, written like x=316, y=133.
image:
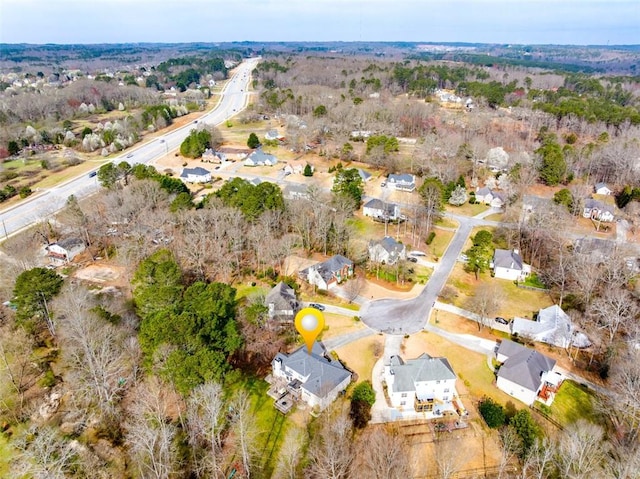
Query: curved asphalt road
x=393, y=316
x=234, y=98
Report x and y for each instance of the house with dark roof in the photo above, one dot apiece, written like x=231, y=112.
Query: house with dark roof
x=525, y=374
x=490, y=197
x=314, y=378
x=379, y=210
x=402, y=182
x=295, y=191
x=329, y=273
x=65, y=250
x=424, y=384
x=551, y=326
x=282, y=303
x=365, y=175
x=195, y=175
x=508, y=264
x=386, y=251
x=596, y=249
x=260, y=158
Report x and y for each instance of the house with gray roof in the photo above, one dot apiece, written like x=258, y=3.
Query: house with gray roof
x=365, y=175
x=551, y=326
x=65, y=250
x=598, y=210
x=386, y=251
x=424, y=384
x=260, y=158
x=329, y=273
x=525, y=374
x=380, y=210
x=490, y=197
x=402, y=182
x=602, y=189
x=508, y=264
x=195, y=175
x=314, y=378
x=295, y=191
x=596, y=249
x=282, y=303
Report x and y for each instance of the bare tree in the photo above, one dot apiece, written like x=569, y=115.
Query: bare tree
x=331, y=451
x=354, y=286
x=43, y=453
x=18, y=372
x=206, y=423
x=539, y=460
x=244, y=429
x=448, y=458
x=291, y=453
x=485, y=303
x=511, y=447
x=382, y=454
x=614, y=310
x=151, y=434
x=580, y=450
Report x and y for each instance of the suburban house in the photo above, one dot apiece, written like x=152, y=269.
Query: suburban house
x=195, y=175
x=602, y=189
x=330, y=273
x=65, y=250
x=294, y=191
x=526, y=374
x=282, y=302
x=260, y=158
x=273, y=135
x=537, y=204
x=490, y=197
x=211, y=156
x=403, y=182
x=378, y=209
x=386, y=251
x=297, y=167
x=365, y=175
x=424, y=384
x=597, y=210
x=508, y=264
x=315, y=378
x=551, y=326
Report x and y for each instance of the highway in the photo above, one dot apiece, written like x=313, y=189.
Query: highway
x=43, y=204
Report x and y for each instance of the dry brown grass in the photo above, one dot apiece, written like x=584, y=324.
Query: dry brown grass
x=360, y=356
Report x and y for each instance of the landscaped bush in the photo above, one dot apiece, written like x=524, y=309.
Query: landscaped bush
x=492, y=413
x=431, y=237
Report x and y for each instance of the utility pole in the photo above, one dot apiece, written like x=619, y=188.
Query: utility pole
x=6, y=236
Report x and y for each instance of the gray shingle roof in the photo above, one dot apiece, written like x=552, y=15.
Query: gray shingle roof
x=506, y=258
x=194, y=171
x=376, y=204
x=328, y=268
x=282, y=296
x=70, y=243
x=523, y=366
x=323, y=374
x=423, y=368
x=401, y=178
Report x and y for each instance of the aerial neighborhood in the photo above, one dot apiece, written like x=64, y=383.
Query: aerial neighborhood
x=469, y=237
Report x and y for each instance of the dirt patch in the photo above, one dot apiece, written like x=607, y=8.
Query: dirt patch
x=103, y=274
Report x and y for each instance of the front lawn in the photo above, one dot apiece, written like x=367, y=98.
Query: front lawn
x=440, y=243
x=360, y=356
x=5, y=456
x=467, y=209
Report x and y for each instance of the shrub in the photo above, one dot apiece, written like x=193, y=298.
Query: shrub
x=492, y=413
x=431, y=237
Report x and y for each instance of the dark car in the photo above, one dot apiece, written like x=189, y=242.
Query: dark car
x=92, y=174
x=412, y=259
x=501, y=320
x=317, y=306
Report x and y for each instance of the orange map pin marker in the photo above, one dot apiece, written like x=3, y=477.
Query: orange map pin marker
x=309, y=322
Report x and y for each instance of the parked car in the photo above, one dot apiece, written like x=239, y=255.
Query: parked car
x=92, y=174
x=317, y=306
x=501, y=320
x=412, y=259
x=129, y=155
x=383, y=184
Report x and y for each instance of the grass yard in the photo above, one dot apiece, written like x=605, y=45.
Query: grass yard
x=271, y=424
x=360, y=356
x=440, y=243
x=447, y=223
x=573, y=402
x=336, y=324
x=245, y=289
x=467, y=209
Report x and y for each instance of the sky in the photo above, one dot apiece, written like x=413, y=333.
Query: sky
x=579, y=22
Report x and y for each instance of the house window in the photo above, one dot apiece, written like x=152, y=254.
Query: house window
x=404, y=395
x=446, y=390
x=403, y=403
x=445, y=398
x=437, y=382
